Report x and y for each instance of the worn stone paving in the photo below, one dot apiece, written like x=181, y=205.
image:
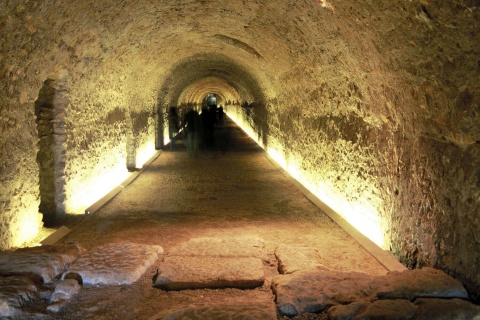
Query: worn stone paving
x=225, y=312
x=46, y=262
x=238, y=246
x=221, y=223
x=15, y=292
x=315, y=290
x=114, y=264
x=423, y=293
x=294, y=258
x=213, y=262
x=180, y=272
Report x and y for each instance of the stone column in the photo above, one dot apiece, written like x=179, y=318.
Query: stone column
x=159, y=128
x=50, y=117
x=131, y=150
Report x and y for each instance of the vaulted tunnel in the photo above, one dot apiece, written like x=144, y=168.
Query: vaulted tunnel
x=198, y=75
x=373, y=106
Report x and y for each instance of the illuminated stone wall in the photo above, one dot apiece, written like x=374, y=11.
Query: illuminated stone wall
x=384, y=128
x=373, y=105
x=62, y=44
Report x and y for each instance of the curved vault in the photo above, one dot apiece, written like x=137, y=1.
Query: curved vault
x=194, y=77
x=196, y=92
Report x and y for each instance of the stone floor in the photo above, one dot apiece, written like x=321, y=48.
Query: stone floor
x=224, y=234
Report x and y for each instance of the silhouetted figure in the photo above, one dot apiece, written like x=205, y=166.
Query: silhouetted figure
x=208, y=124
x=173, y=126
x=192, y=130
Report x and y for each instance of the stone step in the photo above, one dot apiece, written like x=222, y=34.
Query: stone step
x=114, y=264
x=186, y=272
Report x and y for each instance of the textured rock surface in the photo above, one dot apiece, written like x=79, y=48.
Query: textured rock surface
x=388, y=309
x=343, y=312
x=428, y=309
x=426, y=282
x=227, y=312
x=114, y=264
x=291, y=259
x=314, y=290
x=187, y=272
x=42, y=264
x=15, y=292
x=245, y=246
x=441, y=309
x=64, y=291
x=373, y=104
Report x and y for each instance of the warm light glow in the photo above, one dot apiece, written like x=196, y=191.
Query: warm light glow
x=239, y=120
x=361, y=214
x=85, y=192
x=144, y=153
x=28, y=223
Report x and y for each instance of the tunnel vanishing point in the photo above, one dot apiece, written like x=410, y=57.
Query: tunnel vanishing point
x=371, y=105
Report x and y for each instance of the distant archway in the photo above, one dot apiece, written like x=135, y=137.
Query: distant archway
x=211, y=99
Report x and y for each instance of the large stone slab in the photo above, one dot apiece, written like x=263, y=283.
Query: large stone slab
x=314, y=290
x=179, y=272
x=114, y=264
x=291, y=259
x=41, y=264
x=14, y=293
x=418, y=283
x=224, y=312
x=246, y=246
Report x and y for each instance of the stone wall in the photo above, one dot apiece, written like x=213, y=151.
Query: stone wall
x=384, y=123
x=61, y=44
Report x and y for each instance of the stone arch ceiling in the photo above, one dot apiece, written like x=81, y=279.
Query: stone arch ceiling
x=210, y=70
x=197, y=91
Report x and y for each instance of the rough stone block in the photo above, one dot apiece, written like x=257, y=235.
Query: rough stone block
x=14, y=293
x=446, y=309
x=313, y=290
x=344, y=312
x=179, y=272
x=42, y=264
x=114, y=264
x=246, y=246
x=224, y=312
x=65, y=290
x=291, y=259
x=426, y=282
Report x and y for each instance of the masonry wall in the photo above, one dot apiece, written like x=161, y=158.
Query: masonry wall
x=62, y=47
x=387, y=126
